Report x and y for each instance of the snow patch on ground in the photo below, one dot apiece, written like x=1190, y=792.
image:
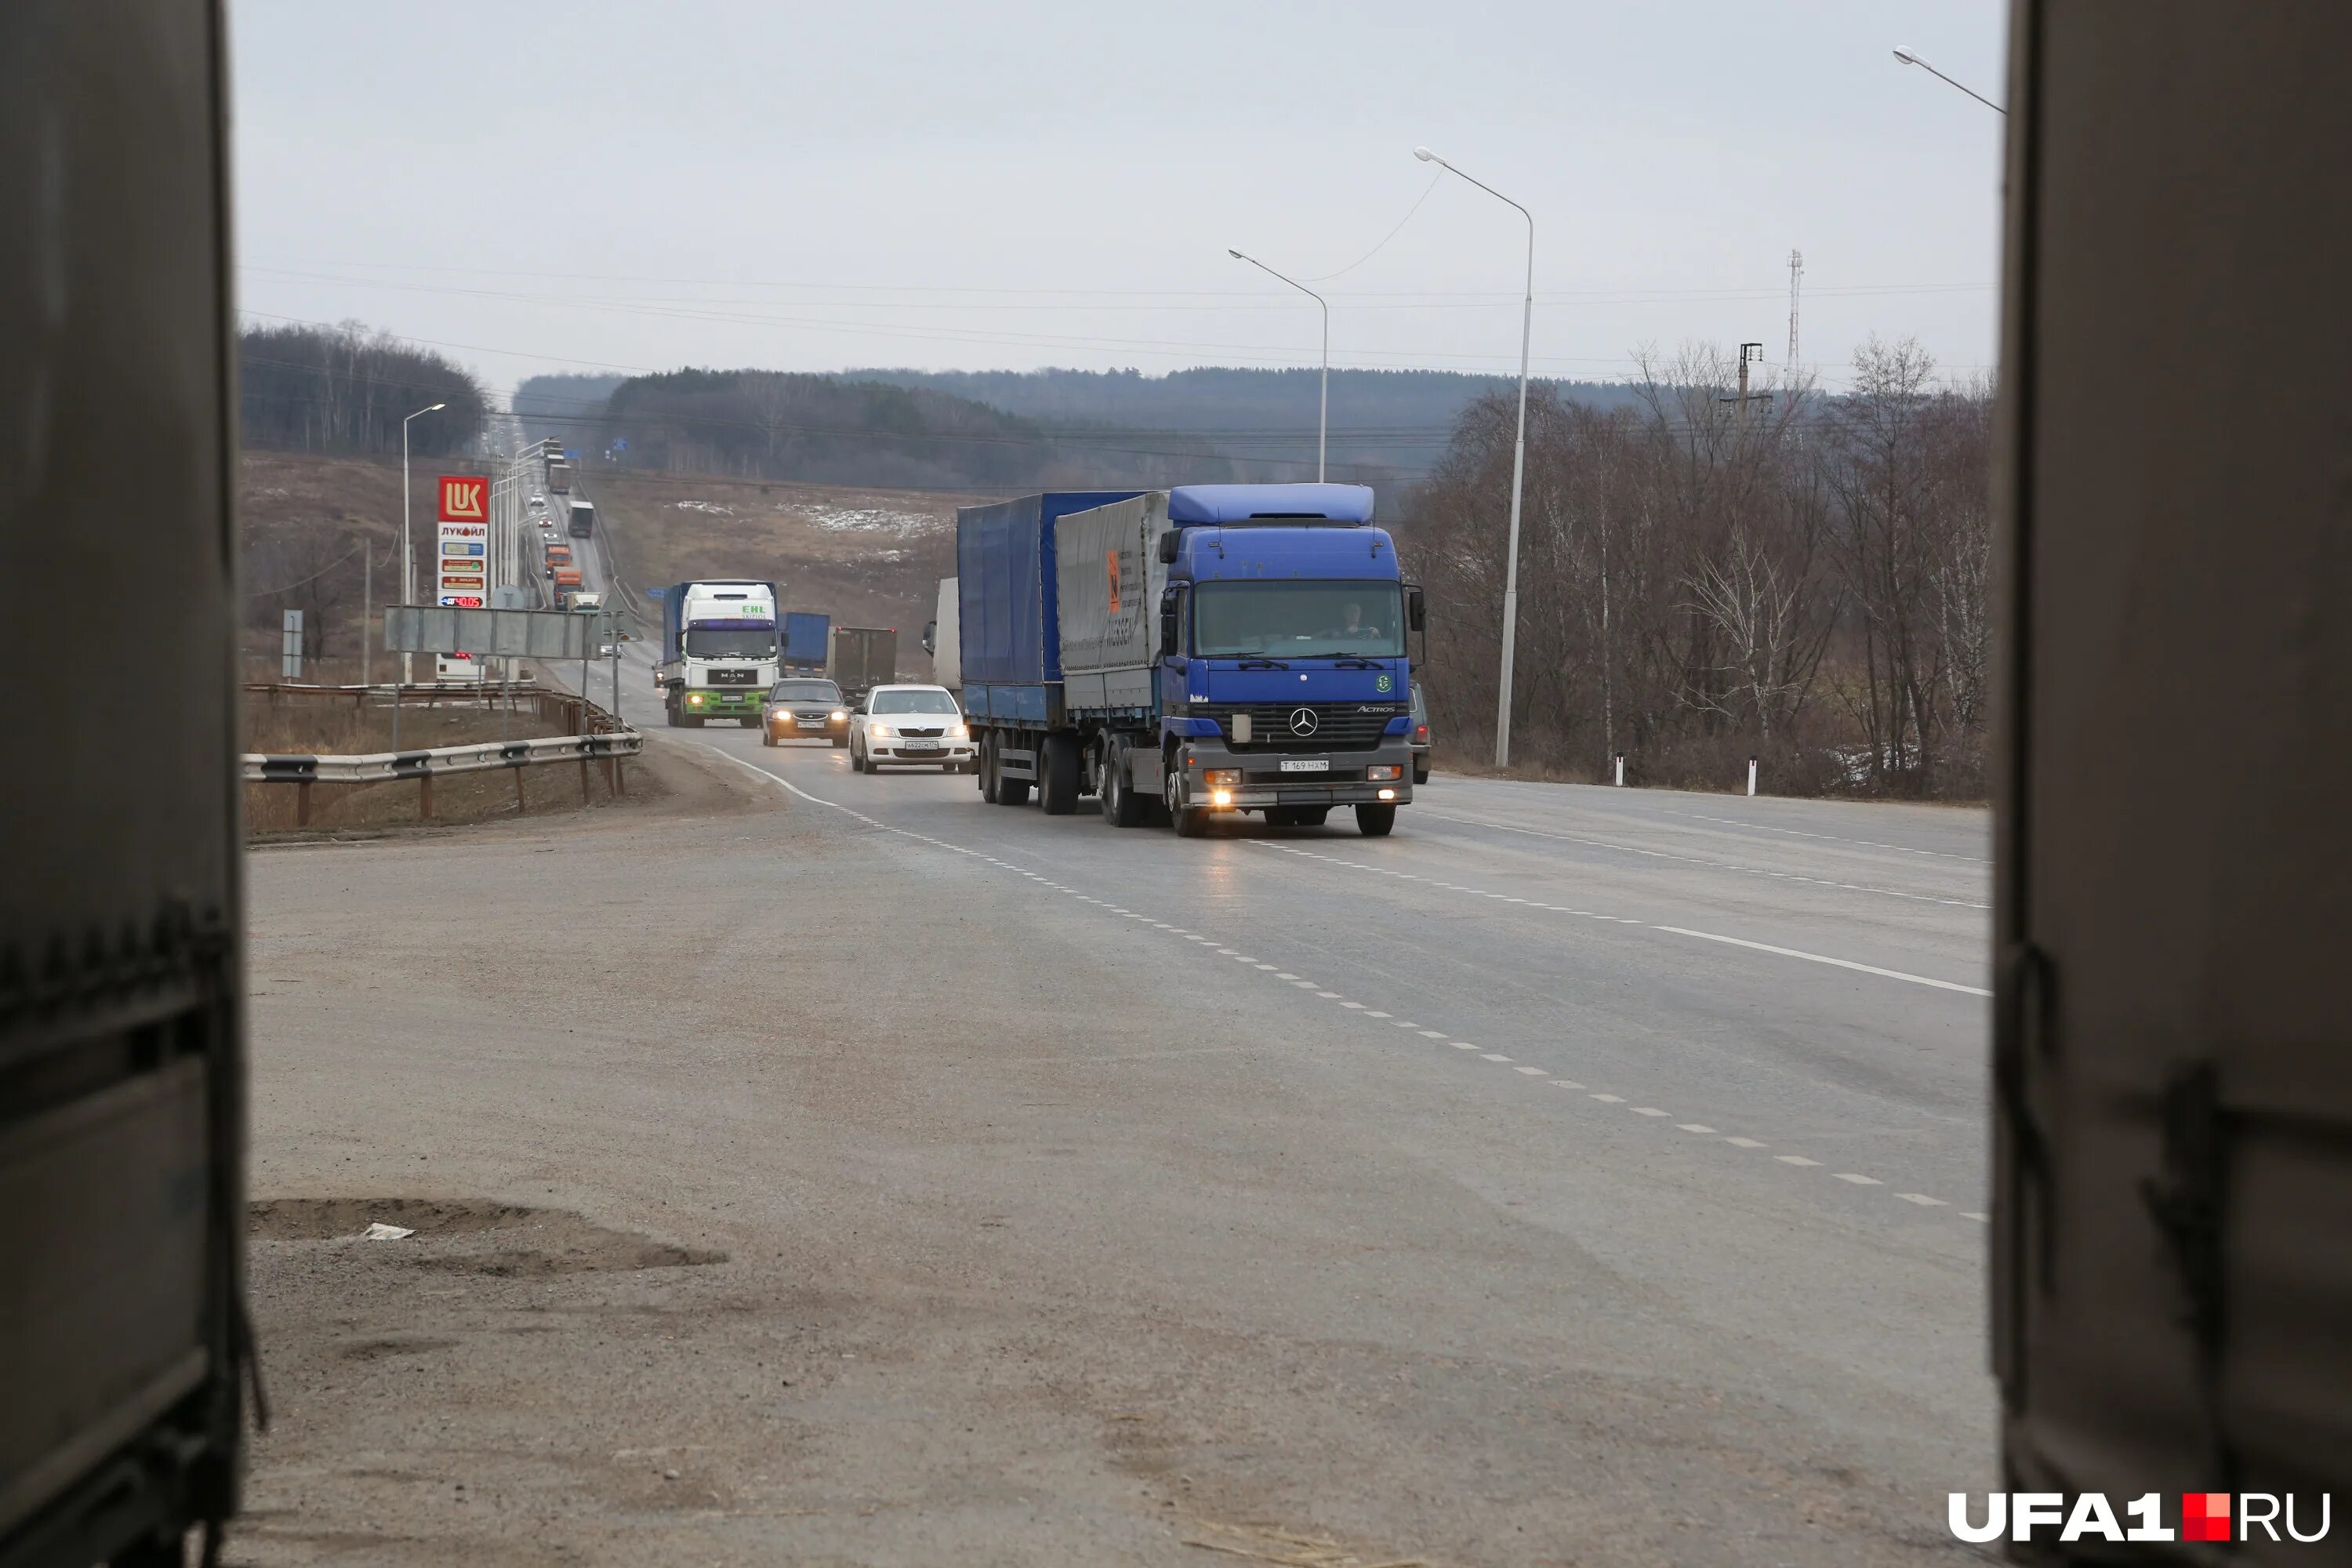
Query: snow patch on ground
x=871, y=520
x=712, y=506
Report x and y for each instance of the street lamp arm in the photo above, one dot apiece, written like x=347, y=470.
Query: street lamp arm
x=1908, y=58
x=1323, y=420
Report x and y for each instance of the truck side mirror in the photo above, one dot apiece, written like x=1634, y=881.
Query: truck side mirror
x=1416, y=609
x=1166, y=547
x=1170, y=639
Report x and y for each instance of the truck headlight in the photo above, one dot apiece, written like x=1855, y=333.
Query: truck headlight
x=1221, y=797
x=1385, y=771
x=1387, y=794
x=694, y=699
x=1226, y=776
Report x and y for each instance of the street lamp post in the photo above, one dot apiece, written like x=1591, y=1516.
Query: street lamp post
x=407, y=548
x=1518, y=466
x=1910, y=58
x=1323, y=419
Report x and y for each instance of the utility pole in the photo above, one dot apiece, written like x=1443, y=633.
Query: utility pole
x=1749, y=353
x=367, y=614
x=1796, y=276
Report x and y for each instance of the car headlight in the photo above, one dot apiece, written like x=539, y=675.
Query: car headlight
x=959, y=733
x=880, y=730
x=839, y=716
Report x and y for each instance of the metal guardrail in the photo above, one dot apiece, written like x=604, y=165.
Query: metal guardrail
x=375, y=767
x=606, y=740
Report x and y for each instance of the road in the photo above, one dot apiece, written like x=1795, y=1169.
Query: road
x=1579, y=1175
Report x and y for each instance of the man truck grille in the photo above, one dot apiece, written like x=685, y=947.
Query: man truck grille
x=733, y=677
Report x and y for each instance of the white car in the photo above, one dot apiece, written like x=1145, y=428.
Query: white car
x=909, y=726
x=539, y=501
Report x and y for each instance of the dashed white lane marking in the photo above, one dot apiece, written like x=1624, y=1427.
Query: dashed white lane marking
x=1855, y=1178
x=1703, y=861
x=1672, y=930
x=1835, y=839
x=1979, y=1218
x=1824, y=958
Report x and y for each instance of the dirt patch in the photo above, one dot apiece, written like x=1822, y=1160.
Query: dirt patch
x=473, y=1236
x=866, y=557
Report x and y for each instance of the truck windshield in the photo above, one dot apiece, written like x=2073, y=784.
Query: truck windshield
x=805, y=691
x=730, y=642
x=1298, y=620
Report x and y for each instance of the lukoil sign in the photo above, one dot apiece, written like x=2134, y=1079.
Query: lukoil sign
x=2203, y=1515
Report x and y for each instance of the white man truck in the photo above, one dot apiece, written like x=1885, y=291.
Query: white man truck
x=719, y=651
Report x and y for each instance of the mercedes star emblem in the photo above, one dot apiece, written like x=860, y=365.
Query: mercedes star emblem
x=1302, y=722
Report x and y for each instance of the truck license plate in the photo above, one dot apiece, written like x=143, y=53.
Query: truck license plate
x=1295, y=765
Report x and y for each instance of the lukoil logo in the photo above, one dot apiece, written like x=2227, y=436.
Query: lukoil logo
x=2204, y=1516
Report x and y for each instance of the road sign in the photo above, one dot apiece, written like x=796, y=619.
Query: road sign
x=524, y=634
x=465, y=498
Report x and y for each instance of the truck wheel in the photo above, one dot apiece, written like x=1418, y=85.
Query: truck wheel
x=1191, y=821
x=1374, y=821
x=749, y=723
x=1011, y=792
x=988, y=773
x=1057, y=777
x=670, y=712
x=1120, y=805
x=1421, y=773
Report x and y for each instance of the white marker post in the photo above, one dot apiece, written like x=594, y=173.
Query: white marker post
x=1751, y=776
x=1621, y=769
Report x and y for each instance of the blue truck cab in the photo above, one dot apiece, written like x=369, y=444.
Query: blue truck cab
x=1285, y=686
x=1203, y=651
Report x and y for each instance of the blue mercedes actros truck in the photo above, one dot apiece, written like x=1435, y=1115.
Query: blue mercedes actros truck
x=1191, y=653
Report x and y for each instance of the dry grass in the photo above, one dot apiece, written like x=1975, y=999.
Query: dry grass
x=329, y=729
x=866, y=557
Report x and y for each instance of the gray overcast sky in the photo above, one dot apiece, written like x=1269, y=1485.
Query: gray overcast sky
x=618, y=184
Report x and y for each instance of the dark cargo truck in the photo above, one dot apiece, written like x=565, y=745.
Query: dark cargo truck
x=2172, y=1062
x=858, y=658
x=123, y=1091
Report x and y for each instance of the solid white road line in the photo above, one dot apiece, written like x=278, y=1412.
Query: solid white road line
x=1824, y=958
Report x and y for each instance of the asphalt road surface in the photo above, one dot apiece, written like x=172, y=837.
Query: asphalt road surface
x=833, y=1169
